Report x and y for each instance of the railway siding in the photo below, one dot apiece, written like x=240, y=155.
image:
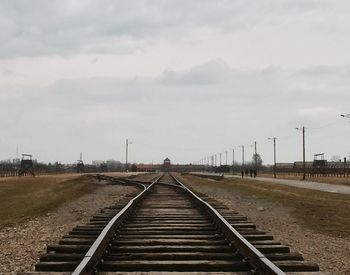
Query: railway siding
x=172, y=230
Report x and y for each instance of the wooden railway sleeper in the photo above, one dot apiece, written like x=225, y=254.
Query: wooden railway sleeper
x=261, y=243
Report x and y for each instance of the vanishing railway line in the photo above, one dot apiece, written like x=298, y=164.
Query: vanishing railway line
x=167, y=228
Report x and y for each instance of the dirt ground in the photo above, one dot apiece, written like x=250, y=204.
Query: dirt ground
x=22, y=242
x=281, y=212
x=330, y=180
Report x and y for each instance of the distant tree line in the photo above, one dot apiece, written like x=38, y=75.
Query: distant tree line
x=12, y=167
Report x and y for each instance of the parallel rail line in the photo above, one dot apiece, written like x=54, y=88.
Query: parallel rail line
x=168, y=228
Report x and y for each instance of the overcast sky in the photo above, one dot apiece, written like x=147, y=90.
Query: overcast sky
x=182, y=79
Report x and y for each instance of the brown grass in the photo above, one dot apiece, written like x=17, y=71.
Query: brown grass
x=322, y=212
x=330, y=180
x=22, y=198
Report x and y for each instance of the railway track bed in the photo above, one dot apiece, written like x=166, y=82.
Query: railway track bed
x=167, y=228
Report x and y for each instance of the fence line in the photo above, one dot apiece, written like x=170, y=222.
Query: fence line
x=328, y=171
x=12, y=170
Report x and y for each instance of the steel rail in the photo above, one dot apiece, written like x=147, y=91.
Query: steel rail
x=122, y=180
x=109, y=178
x=94, y=254
x=261, y=264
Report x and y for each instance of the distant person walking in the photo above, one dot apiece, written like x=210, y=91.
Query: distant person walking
x=255, y=173
x=251, y=173
x=242, y=172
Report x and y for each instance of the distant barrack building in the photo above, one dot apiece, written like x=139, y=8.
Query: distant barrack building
x=167, y=166
x=316, y=168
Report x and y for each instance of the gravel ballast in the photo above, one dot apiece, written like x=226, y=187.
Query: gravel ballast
x=331, y=253
x=22, y=244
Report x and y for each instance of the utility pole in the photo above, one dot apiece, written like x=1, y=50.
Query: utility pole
x=243, y=156
x=220, y=159
x=303, y=153
x=126, y=155
x=233, y=161
x=242, y=146
x=256, y=158
x=304, y=166
x=274, y=156
x=226, y=158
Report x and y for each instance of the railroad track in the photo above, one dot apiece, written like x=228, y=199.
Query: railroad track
x=168, y=228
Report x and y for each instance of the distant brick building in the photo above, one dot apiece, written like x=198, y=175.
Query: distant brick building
x=149, y=167
x=167, y=165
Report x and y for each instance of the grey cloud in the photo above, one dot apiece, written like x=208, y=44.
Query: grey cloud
x=31, y=28
x=322, y=71
x=95, y=115
x=215, y=79
x=325, y=81
x=212, y=72
x=211, y=80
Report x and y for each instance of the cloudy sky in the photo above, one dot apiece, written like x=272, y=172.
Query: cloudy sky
x=184, y=79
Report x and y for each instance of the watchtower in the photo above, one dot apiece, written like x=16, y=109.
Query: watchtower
x=27, y=167
x=319, y=165
x=319, y=161
x=103, y=167
x=80, y=164
x=166, y=165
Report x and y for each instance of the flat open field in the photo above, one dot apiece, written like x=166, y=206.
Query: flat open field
x=26, y=197
x=22, y=198
x=314, y=223
x=330, y=180
x=35, y=212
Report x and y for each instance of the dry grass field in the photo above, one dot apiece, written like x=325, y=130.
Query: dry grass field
x=323, y=212
x=35, y=212
x=330, y=180
x=26, y=197
x=22, y=198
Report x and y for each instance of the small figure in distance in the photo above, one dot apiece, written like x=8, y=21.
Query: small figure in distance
x=251, y=173
x=242, y=172
x=255, y=173
x=246, y=173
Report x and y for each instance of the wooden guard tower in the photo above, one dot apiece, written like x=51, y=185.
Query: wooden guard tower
x=27, y=166
x=319, y=161
x=80, y=164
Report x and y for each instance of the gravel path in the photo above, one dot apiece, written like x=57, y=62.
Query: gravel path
x=332, y=254
x=325, y=187
x=21, y=245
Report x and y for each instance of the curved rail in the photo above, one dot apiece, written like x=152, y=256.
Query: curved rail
x=92, y=257
x=261, y=264
x=122, y=180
